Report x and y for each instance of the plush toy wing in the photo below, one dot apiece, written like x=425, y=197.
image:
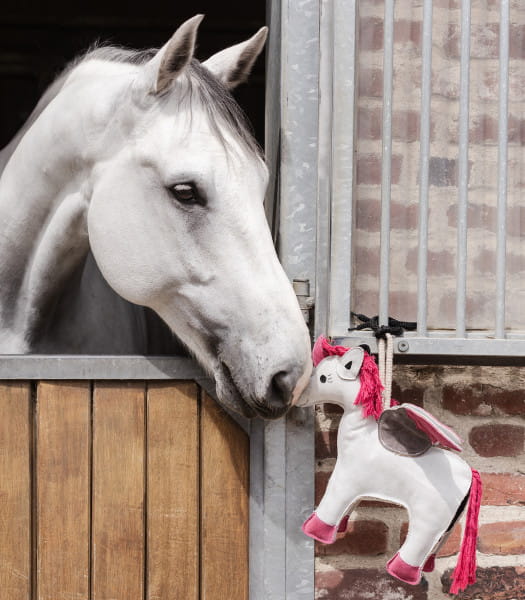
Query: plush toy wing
x=410, y=430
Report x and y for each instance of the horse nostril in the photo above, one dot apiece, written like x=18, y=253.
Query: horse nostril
x=282, y=386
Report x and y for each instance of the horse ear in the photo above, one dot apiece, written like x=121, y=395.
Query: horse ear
x=350, y=363
x=174, y=56
x=233, y=65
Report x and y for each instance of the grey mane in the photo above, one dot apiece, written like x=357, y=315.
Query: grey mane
x=220, y=106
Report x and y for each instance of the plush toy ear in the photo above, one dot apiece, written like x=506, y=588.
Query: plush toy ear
x=174, y=56
x=233, y=65
x=350, y=363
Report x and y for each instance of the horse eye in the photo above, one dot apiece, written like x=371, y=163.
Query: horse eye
x=322, y=379
x=186, y=193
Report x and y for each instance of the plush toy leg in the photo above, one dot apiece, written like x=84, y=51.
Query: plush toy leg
x=398, y=568
x=317, y=529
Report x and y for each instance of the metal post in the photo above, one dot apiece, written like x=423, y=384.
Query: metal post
x=502, y=168
x=426, y=91
x=461, y=278
x=386, y=176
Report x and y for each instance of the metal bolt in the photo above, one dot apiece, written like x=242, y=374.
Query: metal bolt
x=403, y=346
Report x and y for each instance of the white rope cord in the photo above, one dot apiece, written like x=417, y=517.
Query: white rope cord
x=385, y=350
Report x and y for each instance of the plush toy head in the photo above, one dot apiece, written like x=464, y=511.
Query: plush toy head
x=344, y=371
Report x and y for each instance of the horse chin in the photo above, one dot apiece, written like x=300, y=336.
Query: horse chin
x=231, y=397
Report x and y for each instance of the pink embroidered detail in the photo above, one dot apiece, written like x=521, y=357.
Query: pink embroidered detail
x=398, y=568
x=465, y=571
x=319, y=530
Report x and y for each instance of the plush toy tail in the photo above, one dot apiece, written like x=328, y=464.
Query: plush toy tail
x=465, y=571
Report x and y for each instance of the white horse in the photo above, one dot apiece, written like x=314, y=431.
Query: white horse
x=136, y=174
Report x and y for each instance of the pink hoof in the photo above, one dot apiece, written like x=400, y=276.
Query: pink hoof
x=430, y=565
x=397, y=567
x=319, y=530
x=343, y=524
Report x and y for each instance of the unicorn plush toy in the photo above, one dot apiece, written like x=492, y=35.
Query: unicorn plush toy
x=397, y=455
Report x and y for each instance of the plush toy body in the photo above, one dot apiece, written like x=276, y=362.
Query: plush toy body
x=392, y=460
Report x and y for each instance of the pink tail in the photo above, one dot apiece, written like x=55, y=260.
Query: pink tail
x=465, y=571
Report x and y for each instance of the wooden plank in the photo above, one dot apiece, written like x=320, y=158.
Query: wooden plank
x=118, y=491
x=15, y=491
x=173, y=492
x=224, y=505
x=63, y=490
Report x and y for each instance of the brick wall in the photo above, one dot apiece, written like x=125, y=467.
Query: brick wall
x=486, y=406
x=483, y=155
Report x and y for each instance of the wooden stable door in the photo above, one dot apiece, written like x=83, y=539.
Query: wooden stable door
x=121, y=491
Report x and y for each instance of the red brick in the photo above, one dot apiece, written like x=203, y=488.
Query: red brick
x=403, y=217
x=368, y=214
x=326, y=444
x=407, y=31
x=331, y=410
x=497, y=439
x=450, y=547
x=439, y=263
x=363, y=537
x=493, y=583
x=371, y=33
x=414, y=395
x=443, y=172
x=502, y=489
x=369, y=123
x=370, y=82
x=502, y=538
x=517, y=41
x=481, y=399
x=480, y=216
x=368, y=260
x=405, y=125
x=364, y=584
x=369, y=169
x=484, y=41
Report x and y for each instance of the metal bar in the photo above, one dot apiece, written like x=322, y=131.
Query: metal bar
x=461, y=276
x=324, y=167
x=435, y=345
x=426, y=93
x=343, y=162
x=501, y=229
x=386, y=173
x=284, y=565
x=98, y=367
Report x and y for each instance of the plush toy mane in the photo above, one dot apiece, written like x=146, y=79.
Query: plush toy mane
x=369, y=396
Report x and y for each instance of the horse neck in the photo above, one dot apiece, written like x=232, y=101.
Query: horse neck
x=44, y=195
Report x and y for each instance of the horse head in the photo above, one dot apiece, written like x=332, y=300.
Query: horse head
x=176, y=219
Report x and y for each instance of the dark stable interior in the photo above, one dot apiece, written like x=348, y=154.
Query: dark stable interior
x=39, y=38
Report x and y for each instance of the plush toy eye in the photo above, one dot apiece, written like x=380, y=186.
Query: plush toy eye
x=322, y=379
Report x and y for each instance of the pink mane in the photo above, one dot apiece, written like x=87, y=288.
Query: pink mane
x=369, y=396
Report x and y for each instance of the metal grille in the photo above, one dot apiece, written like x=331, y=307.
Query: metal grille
x=467, y=330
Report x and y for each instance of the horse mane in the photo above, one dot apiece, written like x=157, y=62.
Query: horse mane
x=218, y=103
x=214, y=98
x=370, y=392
